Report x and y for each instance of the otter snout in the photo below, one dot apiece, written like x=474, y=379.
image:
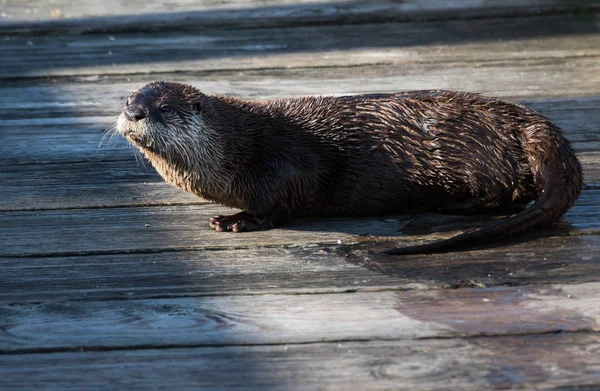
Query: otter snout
x=130, y=125
x=136, y=126
x=134, y=113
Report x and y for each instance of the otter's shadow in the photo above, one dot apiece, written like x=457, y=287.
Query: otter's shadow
x=512, y=261
x=420, y=226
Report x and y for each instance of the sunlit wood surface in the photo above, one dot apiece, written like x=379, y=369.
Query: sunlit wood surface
x=110, y=278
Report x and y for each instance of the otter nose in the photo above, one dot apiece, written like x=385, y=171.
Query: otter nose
x=134, y=113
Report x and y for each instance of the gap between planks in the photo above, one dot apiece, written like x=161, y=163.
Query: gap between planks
x=98, y=349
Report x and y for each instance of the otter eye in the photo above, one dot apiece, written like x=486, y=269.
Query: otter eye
x=128, y=102
x=165, y=108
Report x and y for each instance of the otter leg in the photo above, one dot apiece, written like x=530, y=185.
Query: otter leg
x=240, y=222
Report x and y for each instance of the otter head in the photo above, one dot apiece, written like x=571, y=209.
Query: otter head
x=159, y=115
x=165, y=121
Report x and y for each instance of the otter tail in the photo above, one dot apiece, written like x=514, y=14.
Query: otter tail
x=557, y=177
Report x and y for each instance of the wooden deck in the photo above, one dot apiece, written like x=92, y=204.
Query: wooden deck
x=110, y=279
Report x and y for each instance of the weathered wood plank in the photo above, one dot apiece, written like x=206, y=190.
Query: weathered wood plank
x=79, y=105
x=281, y=319
x=96, y=17
x=92, y=184
x=252, y=271
x=155, y=228
x=591, y=166
x=120, y=183
x=98, y=103
x=185, y=227
x=562, y=361
x=543, y=38
x=66, y=123
x=40, y=10
x=71, y=141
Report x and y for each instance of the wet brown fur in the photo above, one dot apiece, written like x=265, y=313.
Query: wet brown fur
x=360, y=155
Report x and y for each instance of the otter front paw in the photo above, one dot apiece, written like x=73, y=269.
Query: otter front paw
x=240, y=222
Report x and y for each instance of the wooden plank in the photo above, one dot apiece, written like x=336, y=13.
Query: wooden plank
x=563, y=361
x=556, y=37
x=591, y=166
x=121, y=183
x=98, y=16
x=309, y=269
x=185, y=227
x=40, y=10
x=91, y=184
x=281, y=319
x=70, y=142
x=93, y=231
x=65, y=132
x=80, y=105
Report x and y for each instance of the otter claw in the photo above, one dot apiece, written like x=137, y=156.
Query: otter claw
x=239, y=222
x=238, y=227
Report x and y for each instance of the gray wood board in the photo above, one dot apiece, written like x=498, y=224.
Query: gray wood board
x=90, y=184
x=482, y=40
x=185, y=227
x=42, y=17
x=82, y=104
x=121, y=183
x=555, y=361
x=66, y=123
x=301, y=269
x=281, y=319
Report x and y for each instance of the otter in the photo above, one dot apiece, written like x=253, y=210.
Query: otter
x=358, y=155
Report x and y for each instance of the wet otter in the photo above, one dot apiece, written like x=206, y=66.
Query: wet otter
x=356, y=156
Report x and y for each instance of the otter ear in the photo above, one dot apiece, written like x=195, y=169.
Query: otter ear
x=198, y=107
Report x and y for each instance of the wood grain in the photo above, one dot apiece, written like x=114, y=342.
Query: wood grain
x=282, y=319
x=557, y=361
x=302, y=269
x=445, y=43
x=39, y=10
x=90, y=184
x=63, y=16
